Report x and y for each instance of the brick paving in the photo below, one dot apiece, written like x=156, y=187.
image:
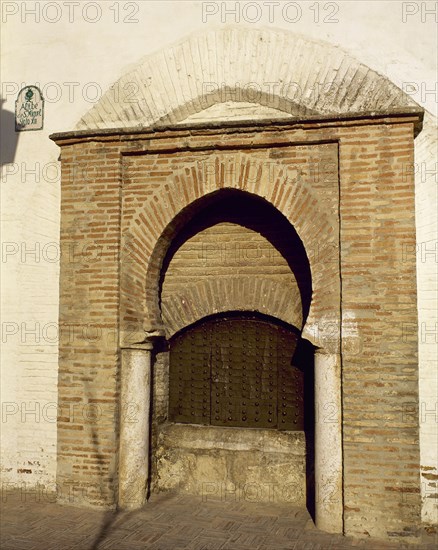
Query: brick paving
x=172, y=522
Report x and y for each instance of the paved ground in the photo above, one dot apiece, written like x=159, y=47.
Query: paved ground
x=171, y=522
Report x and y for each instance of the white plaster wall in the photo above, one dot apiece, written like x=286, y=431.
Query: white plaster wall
x=427, y=277
x=91, y=56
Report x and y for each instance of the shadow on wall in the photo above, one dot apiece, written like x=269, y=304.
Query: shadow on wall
x=304, y=359
x=110, y=517
x=8, y=135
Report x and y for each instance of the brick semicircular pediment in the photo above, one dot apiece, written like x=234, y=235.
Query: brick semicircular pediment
x=275, y=69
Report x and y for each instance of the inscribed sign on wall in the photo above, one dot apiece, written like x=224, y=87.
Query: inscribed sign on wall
x=29, y=109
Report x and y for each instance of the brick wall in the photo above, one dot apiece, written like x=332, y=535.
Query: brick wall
x=378, y=285
x=228, y=267
x=88, y=351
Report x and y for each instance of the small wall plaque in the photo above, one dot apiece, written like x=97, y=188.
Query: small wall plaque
x=29, y=109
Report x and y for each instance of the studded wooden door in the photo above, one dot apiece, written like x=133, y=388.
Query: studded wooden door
x=236, y=371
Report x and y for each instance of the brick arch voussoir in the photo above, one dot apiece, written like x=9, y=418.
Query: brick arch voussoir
x=186, y=190
x=208, y=297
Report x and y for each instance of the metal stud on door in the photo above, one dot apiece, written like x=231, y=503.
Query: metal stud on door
x=189, y=379
x=236, y=371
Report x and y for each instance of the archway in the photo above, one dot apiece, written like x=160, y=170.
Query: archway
x=235, y=294
x=241, y=228
x=250, y=176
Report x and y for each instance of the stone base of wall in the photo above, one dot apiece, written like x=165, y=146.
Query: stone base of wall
x=231, y=463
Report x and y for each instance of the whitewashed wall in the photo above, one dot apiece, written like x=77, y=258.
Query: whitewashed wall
x=74, y=53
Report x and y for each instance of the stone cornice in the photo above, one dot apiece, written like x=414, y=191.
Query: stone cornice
x=411, y=114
